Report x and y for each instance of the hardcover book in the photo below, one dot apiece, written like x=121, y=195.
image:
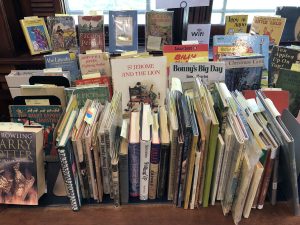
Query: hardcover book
x=66, y=61
x=95, y=63
x=281, y=57
x=159, y=30
x=241, y=45
x=91, y=33
x=22, y=177
x=243, y=73
x=62, y=32
x=46, y=115
x=236, y=24
x=199, y=32
x=291, y=30
x=123, y=31
x=36, y=35
x=290, y=80
x=270, y=26
x=140, y=80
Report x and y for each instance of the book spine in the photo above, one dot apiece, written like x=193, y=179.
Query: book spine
x=144, y=169
x=69, y=180
x=87, y=170
x=266, y=180
x=172, y=164
x=108, y=147
x=116, y=186
x=275, y=179
x=134, y=169
x=177, y=172
x=98, y=173
x=104, y=165
x=163, y=170
x=154, y=167
x=196, y=205
x=124, y=179
x=195, y=180
x=203, y=172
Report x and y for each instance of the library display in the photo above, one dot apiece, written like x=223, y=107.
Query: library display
x=186, y=124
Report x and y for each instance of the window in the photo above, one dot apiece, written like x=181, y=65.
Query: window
x=221, y=8
x=81, y=7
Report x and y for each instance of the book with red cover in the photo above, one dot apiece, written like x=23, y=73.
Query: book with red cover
x=279, y=98
x=99, y=80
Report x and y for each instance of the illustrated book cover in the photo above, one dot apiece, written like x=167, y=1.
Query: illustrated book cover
x=236, y=24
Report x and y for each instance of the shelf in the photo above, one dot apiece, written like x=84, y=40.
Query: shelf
x=143, y=214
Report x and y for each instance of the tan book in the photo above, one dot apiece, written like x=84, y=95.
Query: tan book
x=257, y=174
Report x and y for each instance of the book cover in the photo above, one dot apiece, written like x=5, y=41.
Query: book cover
x=281, y=57
x=208, y=72
x=103, y=80
x=62, y=32
x=158, y=30
x=199, y=32
x=270, y=26
x=185, y=53
x=36, y=35
x=100, y=93
x=91, y=33
x=47, y=115
x=236, y=24
x=140, y=80
x=243, y=73
x=95, y=63
x=241, y=45
x=290, y=80
x=22, y=177
x=123, y=31
x=291, y=30
x=66, y=61
x=123, y=171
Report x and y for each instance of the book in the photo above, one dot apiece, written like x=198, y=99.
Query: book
x=95, y=63
x=291, y=30
x=123, y=35
x=185, y=53
x=154, y=156
x=270, y=26
x=62, y=33
x=164, y=153
x=241, y=45
x=243, y=73
x=236, y=24
x=36, y=35
x=88, y=92
x=281, y=57
x=123, y=163
x=137, y=77
x=199, y=32
x=66, y=61
x=134, y=154
x=158, y=30
x=91, y=33
x=289, y=80
x=145, y=150
x=46, y=115
x=22, y=166
x=208, y=72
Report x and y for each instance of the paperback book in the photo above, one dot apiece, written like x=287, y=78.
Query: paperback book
x=236, y=24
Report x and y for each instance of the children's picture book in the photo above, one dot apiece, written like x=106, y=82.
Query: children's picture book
x=199, y=32
x=291, y=30
x=140, y=80
x=62, y=32
x=159, y=30
x=36, y=35
x=243, y=73
x=268, y=25
x=241, y=45
x=91, y=33
x=236, y=24
x=123, y=31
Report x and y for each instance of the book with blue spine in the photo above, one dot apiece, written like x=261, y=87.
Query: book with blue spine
x=241, y=45
x=123, y=31
x=66, y=61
